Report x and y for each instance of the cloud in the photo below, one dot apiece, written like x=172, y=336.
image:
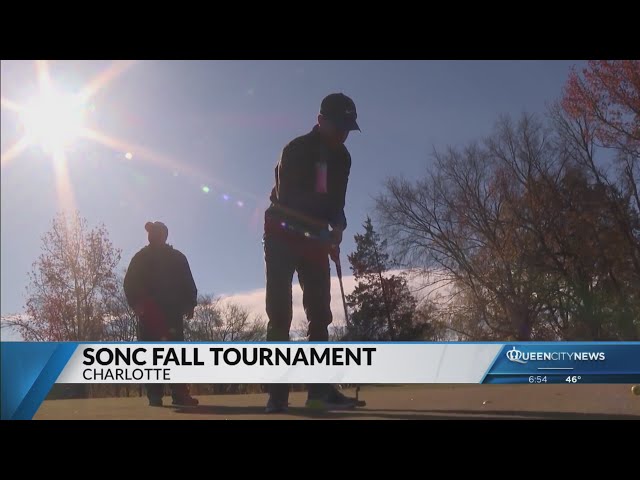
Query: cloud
x=254, y=301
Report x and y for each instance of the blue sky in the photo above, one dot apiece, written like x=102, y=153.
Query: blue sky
x=222, y=124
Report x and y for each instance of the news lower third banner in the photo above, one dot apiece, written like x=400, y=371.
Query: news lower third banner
x=29, y=369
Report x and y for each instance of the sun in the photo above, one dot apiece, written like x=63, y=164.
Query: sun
x=53, y=120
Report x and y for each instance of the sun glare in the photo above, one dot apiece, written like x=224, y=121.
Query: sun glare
x=53, y=120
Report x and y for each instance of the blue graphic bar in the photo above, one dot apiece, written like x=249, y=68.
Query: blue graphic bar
x=592, y=360
x=508, y=379
x=29, y=369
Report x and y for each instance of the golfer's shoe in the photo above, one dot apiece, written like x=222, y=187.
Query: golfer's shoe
x=155, y=402
x=278, y=398
x=187, y=401
x=276, y=405
x=333, y=400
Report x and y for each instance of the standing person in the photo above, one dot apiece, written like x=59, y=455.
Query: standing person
x=161, y=290
x=303, y=227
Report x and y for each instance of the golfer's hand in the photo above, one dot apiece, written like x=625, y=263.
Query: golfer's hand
x=334, y=253
x=336, y=236
x=139, y=310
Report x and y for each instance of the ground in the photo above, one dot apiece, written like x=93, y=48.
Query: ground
x=383, y=403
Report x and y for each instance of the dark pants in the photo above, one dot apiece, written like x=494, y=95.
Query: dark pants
x=286, y=254
x=158, y=325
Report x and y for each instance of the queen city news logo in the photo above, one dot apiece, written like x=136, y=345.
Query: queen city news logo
x=518, y=356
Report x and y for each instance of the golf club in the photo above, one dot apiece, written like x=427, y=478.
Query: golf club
x=336, y=259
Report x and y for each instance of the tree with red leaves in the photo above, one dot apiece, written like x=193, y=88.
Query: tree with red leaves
x=601, y=107
x=71, y=284
x=607, y=95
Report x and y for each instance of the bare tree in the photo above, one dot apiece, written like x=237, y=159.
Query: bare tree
x=206, y=320
x=524, y=233
x=458, y=220
x=239, y=325
x=221, y=321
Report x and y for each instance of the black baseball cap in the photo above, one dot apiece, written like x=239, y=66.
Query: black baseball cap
x=157, y=228
x=341, y=111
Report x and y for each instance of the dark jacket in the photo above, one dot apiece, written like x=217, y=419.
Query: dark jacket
x=161, y=273
x=300, y=194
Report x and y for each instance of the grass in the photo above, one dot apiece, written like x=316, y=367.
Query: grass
x=440, y=401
